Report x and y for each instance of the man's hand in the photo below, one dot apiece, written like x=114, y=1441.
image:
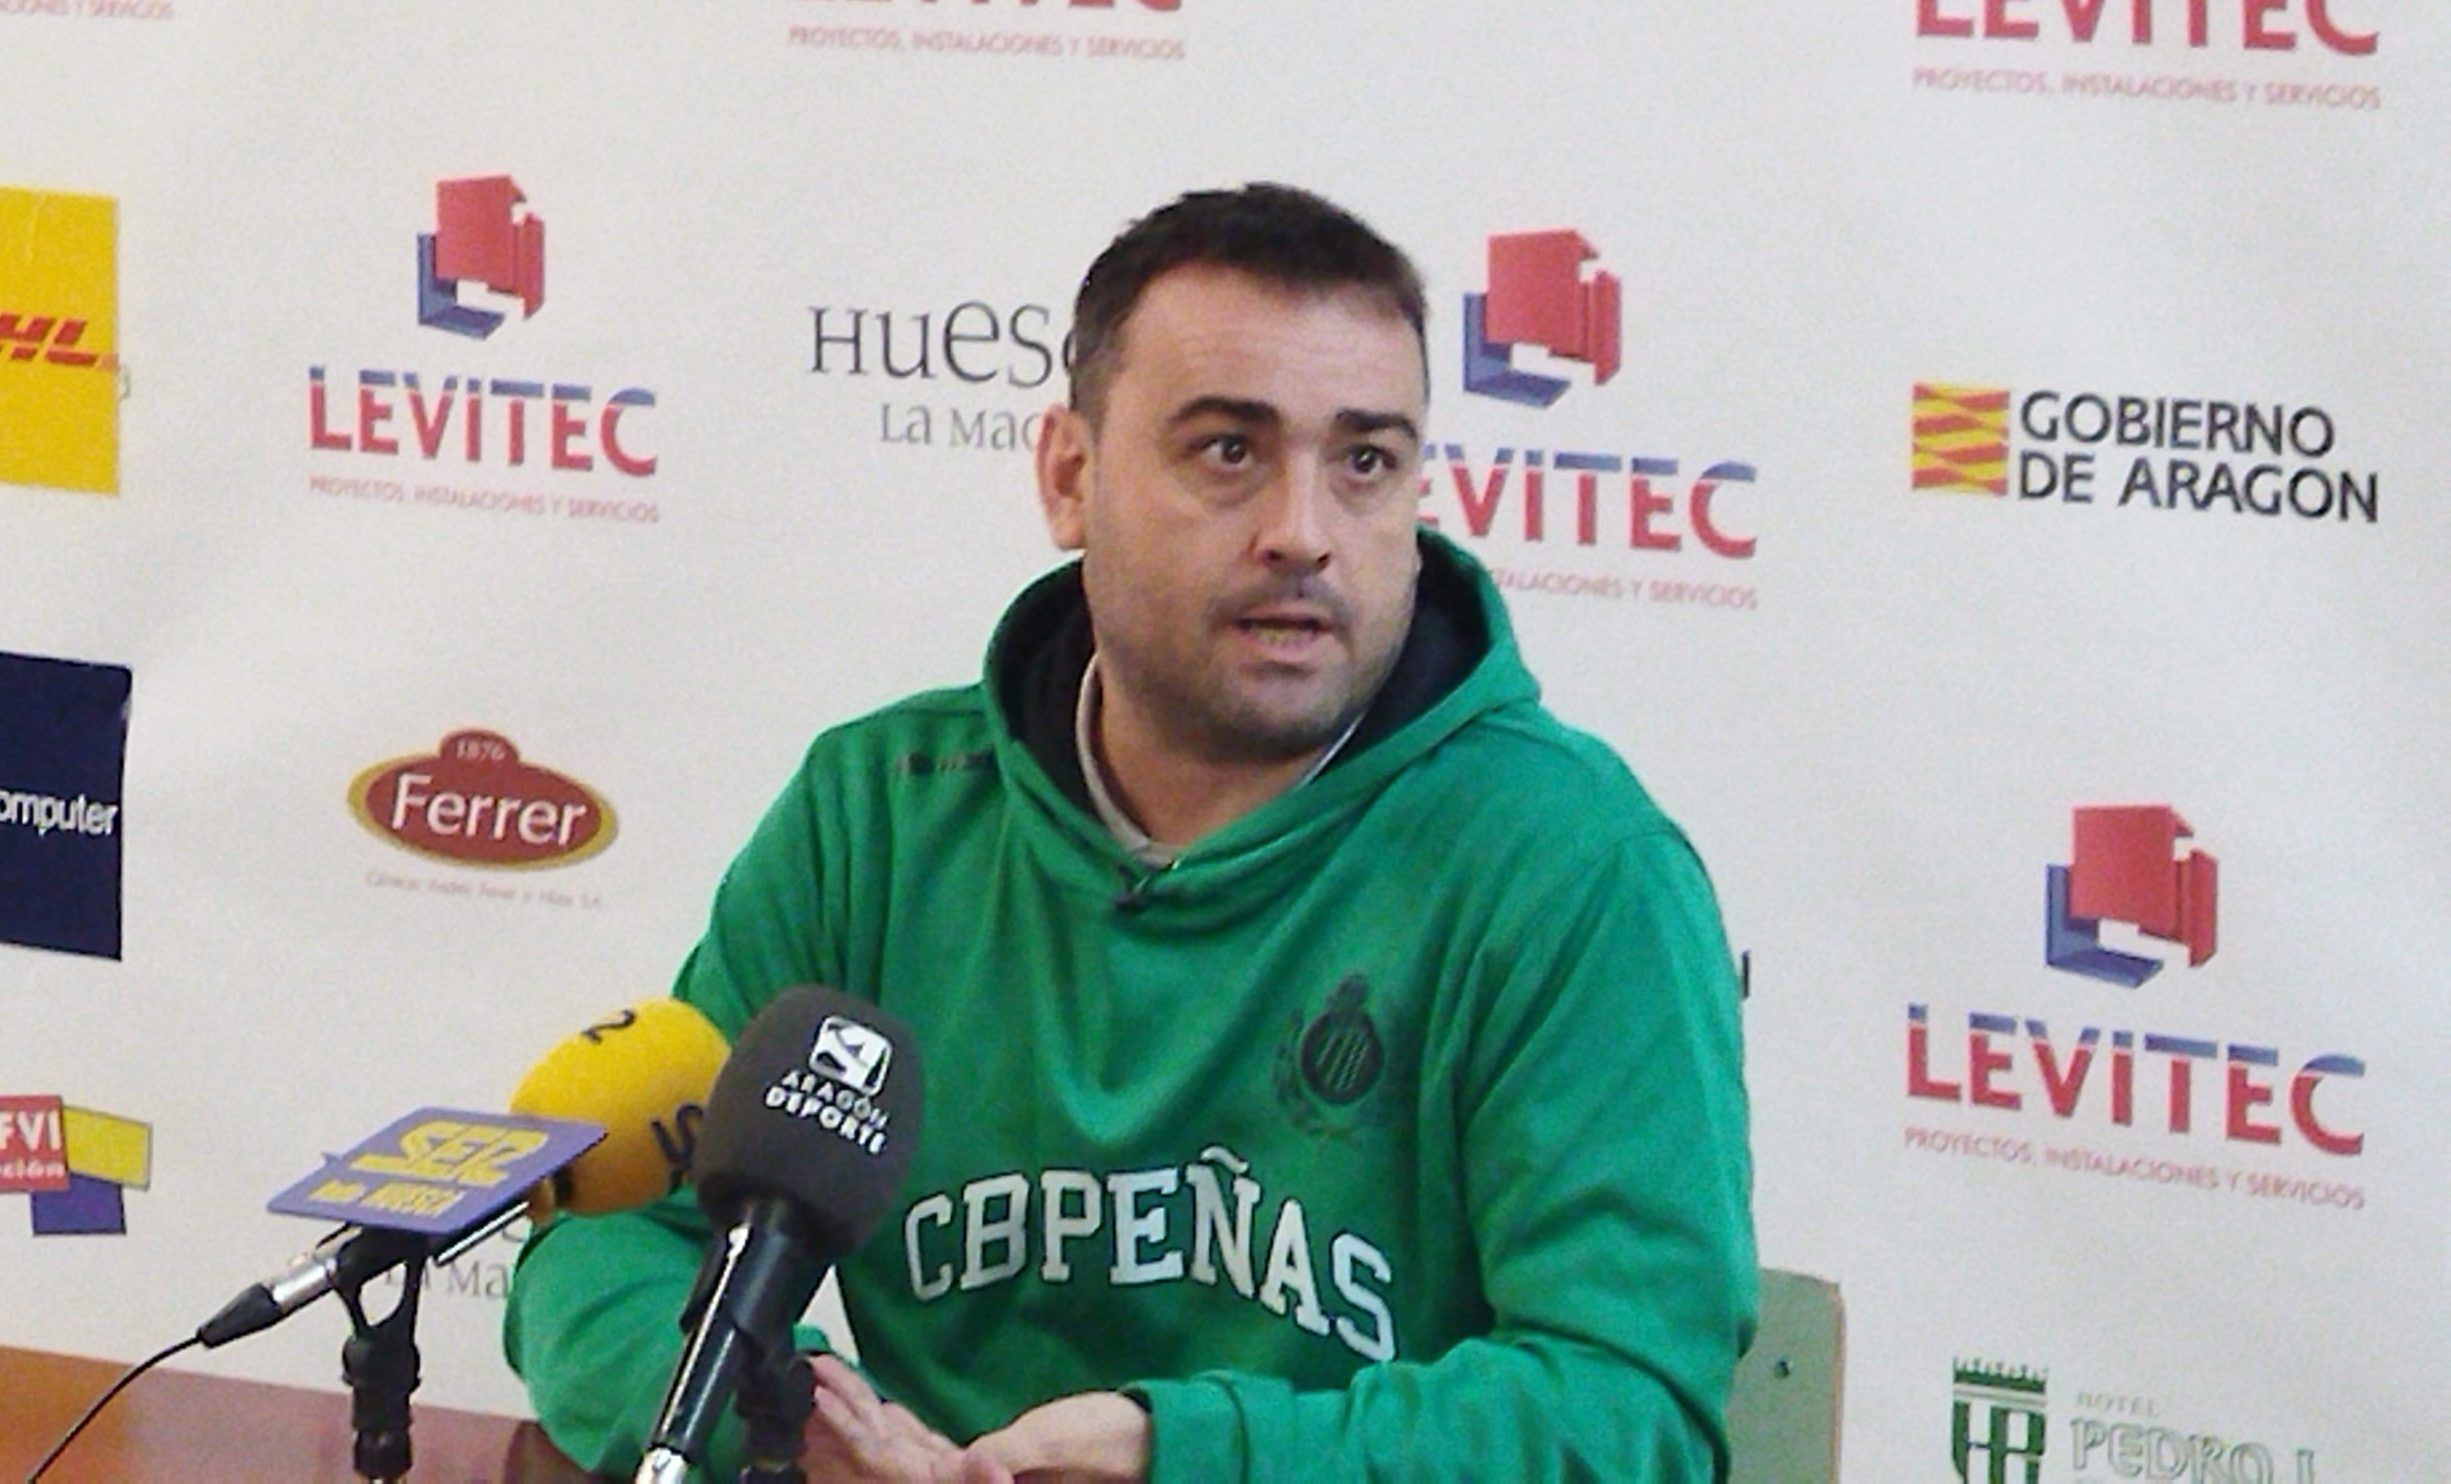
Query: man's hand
x=1097, y=1437
x=857, y=1435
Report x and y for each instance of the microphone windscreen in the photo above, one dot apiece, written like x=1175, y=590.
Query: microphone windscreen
x=819, y=1105
x=644, y=1075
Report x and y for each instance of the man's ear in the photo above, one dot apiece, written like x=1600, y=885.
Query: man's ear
x=1067, y=462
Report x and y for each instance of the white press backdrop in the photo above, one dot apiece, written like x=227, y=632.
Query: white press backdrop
x=1875, y=726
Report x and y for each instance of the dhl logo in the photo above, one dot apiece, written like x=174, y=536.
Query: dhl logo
x=59, y=309
x=1961, y=438
x=54, y=338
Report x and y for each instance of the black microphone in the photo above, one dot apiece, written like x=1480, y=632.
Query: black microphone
x=808, y=1130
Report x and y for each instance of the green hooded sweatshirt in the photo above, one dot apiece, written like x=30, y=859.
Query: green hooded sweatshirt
x=1395, y=1131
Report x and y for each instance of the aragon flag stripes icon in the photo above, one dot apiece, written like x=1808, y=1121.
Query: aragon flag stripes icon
x=1961, y=438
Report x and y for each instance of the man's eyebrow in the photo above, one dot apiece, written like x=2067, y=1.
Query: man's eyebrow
x=1352, y=421
x=1240, y=409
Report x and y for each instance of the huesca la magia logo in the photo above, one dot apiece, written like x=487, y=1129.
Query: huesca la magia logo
x=76, y=1164
x=59, y=340
x=474, y=802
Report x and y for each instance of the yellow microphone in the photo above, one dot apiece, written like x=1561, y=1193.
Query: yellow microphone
x=643, y=1074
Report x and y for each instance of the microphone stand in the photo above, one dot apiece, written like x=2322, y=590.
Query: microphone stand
x=379, y=1361
x=777, y=1394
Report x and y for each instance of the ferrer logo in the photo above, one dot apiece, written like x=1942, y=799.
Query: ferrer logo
x=2182, y=453
x=481, y=234
x=76, y=1164
x=2126, y=869
x=59, y=340
x=1537, y=296
x=475, y=803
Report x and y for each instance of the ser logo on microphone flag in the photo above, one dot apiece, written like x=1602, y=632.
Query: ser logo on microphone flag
x=438, y=1170
x=851, y=1053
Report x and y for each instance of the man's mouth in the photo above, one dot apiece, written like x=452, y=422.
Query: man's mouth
x=1284, y=630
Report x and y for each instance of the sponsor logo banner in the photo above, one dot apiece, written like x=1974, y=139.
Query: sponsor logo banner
x=476, y=437
x=2272, y=54
x=2186, y=455
x=63, y=751
x=1617, y=521
x=2184, y=1095
x=474, y=801
x=59, y=340
x=89, y=10
x=963, y=374
x=75, y=1164
x=438, y=1170
x=2001, y=1423
x=1020, y=31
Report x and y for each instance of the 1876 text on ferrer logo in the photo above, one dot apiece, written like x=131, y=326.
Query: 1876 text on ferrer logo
x=472, y=801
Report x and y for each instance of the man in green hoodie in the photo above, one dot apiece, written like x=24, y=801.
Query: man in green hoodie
x=1333, y=1061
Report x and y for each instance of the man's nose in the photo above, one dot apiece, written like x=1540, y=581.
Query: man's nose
x=1293, y=532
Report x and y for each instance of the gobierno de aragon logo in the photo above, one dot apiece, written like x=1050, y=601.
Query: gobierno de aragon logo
x=474, y=802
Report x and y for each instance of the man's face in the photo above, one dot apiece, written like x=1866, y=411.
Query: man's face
x=1245, y=507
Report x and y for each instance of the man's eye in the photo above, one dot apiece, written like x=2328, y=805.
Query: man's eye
x=1370, y=462
x=1230, y=449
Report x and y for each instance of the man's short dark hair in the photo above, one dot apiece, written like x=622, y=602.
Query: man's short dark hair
x=1276, y=233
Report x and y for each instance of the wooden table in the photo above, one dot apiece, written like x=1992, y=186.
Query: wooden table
x=177, y=1425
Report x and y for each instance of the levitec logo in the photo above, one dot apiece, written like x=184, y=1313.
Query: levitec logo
x=59, y=340
x=63, y=751
x=2055, y=48
x=1538, y=296
x=1524, y=502
x=2126, y=867
x=1999, y=1413
x=2247, y=25
x=480, y=420
x=474, y=802
x=2191, y=454
x=482, y=234
x=77, y=1164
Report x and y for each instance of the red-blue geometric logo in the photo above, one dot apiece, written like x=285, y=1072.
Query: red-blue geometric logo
x=483, y=234
x=1538, y=296
x=2127, y=867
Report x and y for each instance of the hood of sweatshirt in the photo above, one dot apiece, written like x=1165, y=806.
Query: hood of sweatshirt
x=1458, y=664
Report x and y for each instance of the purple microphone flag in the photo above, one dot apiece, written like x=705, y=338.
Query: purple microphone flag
x=438, y=1171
